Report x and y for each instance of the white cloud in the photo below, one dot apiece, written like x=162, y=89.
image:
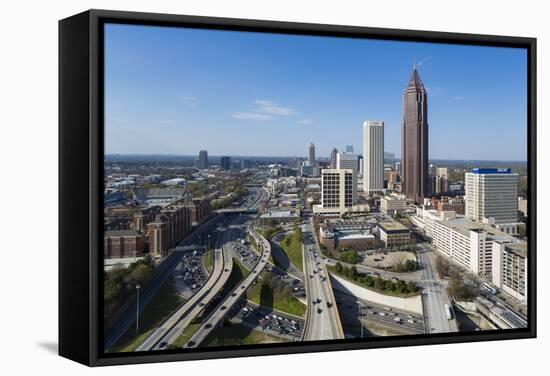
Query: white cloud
x=271, y=108
x=251, y=116
x=305, y=121
x=264, y=110
x=189, y=100
x=165, y=121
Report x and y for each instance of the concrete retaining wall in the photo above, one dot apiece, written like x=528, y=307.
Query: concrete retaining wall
x=412, y=304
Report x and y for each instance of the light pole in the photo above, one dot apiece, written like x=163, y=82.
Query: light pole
x=137, y=309
x=361, y=314
x=210, y=255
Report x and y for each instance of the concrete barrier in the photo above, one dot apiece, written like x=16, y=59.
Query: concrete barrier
x=411, y=304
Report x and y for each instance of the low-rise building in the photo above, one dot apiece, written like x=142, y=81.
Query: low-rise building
x=348, y=234
x=394, y=234
x=393, y=204
x=279, y=216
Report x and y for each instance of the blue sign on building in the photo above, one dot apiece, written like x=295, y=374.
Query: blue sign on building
x=492, y=170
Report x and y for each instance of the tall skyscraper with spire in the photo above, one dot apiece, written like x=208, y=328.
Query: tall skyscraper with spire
x=311, y=154
x=414, y=139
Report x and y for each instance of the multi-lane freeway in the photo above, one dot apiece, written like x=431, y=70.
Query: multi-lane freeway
x=218, y=315
x=322, y=321
x=160, y=275
x=175, y=325
x=358, y=312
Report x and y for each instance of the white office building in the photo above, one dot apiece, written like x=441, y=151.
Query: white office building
x=348, y=161
x=338, y=191
x=492, y=197
x=469, y=243
x=373, y=151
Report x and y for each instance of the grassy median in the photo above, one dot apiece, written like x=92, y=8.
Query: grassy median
x=166, y=300
x=232, y=335
x=273, y=293
x=292, y=247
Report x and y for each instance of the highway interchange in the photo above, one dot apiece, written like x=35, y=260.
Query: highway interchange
x=206, y=302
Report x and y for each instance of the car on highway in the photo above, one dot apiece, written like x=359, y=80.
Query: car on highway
x=382, y=314
x=411, y=321
x=319, y=310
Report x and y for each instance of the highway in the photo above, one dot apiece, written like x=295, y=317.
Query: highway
x=217, y=316
x=173, y=322
x=322, y=320
x=163, y=271
x=434, y=297
x=363, y=312
x=177, y=324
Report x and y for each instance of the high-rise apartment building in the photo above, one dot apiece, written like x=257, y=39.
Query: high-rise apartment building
x=202, y=163
x=492, y=197
x=373, y=150
x=414, y=139
x=311, y=154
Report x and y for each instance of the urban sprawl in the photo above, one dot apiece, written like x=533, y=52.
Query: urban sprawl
x=215, y=251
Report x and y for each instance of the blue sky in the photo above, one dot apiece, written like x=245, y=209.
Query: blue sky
x=177, y=91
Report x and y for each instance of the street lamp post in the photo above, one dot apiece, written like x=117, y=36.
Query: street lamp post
x=210, y=255
x=137, y=309
x=361, y=314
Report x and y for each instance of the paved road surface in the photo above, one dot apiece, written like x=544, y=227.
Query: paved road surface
x=434, y=297
x=234, y=296
x=378, y=314
x=323, y=322
x=178, y=321
x=198, y=306
x=161, y=273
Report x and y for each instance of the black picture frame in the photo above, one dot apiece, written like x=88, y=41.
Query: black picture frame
x=81, y=170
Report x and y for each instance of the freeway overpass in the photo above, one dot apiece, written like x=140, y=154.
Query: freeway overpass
x=234, y=296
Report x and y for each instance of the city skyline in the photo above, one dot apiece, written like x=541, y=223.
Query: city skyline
x=134, y=103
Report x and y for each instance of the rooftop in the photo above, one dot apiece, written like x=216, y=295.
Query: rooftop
x=280, y=214
x=392, y=226
x=519, y=248
x=119, y=233
x=464, y=226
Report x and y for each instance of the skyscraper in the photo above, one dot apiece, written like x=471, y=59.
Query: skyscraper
x=333, y=158
x=203, y=160
x=311, y=154
x=349, y=148
x=348, y=160
x=373, y=150
x=492, y=196
x=414, y=139
x=226, y=163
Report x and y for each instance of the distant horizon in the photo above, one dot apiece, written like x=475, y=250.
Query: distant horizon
x=276, y=93
x=292, y=156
